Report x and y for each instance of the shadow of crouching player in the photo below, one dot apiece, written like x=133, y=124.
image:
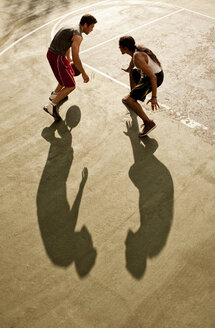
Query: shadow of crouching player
x=155, y=185
x=57, y=221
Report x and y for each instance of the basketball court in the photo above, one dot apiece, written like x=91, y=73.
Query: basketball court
x=98, y=227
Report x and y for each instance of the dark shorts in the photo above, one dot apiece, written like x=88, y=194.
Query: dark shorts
x=61, y=69
x=143, y=84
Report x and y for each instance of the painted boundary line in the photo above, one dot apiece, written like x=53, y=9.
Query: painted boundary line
x=77, y=10
x=189, y=122
x=197, y=13
x=106, y=75
x=132, y=30
x=52, y=21
x=192, y=11
x=186, y=121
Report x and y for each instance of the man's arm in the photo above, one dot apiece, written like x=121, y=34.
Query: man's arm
x=140, y=62
x=68, y=55
x=131, y=65
x=75, y=56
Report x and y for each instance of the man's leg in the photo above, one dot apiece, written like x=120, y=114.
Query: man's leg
x=131, y=80
x=139, y=90
x=134, y=77
x=64, y=77
x=149, y=125
x=58, y=88
x=54, y=93
x=51, y=108
x=62, y=94
x=135, y=106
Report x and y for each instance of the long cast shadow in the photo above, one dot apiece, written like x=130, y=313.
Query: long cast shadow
x=57, y=221
x=156, y=202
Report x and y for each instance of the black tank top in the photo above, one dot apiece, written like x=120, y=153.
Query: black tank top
x=62, y=40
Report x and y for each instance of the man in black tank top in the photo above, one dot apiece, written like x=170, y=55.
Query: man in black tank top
x=63, y=67
x=145, y=78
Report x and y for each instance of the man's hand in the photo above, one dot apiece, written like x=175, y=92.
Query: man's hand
x=85, y=77
x=127, y=70
x=131, y=65
x=154, y=103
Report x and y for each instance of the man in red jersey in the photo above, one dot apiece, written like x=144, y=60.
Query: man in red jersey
x=59, y=59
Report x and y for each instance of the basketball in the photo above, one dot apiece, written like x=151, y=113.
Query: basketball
x=76, y=71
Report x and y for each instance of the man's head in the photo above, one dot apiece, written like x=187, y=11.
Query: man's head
x=87, y=23
x=127, y=44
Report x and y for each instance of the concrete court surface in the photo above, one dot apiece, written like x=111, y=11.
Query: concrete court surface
x=99, y=228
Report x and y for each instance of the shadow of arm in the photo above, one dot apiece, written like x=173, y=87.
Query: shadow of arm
x=76, y=205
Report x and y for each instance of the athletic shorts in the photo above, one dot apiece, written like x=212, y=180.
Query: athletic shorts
x=143, y=84
x=61, y=69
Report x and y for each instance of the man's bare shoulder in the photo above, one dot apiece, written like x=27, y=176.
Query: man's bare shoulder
x=77, y=38
x=140, y=58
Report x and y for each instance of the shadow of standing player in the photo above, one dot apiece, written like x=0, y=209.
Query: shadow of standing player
x=155, y=186
x=57, y=221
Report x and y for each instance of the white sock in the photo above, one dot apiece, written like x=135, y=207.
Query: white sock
x=53, y=95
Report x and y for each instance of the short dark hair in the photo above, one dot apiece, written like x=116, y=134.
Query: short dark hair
x=127, y=42
x=89, y=19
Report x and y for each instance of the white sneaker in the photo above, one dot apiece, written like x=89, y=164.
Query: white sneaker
x=52, y=96
x=52, y=110
x=49, y=108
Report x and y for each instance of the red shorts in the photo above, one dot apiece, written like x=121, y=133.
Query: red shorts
x=61, y=69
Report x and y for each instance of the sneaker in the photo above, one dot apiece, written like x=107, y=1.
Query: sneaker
x=52, y=110
x=148, y=127
x=52, y=96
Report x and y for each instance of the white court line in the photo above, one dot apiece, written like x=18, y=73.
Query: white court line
x=106, y=75
x=52, y=21
x=92, y=68
x=192, y=11
x=197, y=13
x=186, y=121
x=72, y=12
x=132, y=30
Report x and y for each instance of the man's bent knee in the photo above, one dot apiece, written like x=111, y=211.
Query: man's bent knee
x=70, y=89
x=128, y=100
